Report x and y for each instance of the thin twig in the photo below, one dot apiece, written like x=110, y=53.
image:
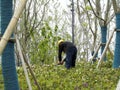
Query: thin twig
x=94, y=12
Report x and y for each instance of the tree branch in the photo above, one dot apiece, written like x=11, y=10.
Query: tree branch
x=107, y=10
x=112, y=16
x=114, y=5
x=94, y=12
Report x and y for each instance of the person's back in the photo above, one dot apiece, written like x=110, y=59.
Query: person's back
x=71, y=51
x=65, y=46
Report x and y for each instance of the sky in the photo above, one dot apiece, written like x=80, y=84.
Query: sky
x=64, y=3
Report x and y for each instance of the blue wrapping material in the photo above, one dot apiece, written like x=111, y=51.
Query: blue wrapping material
x=116, y=62
x=8, y=59
x=103, y=39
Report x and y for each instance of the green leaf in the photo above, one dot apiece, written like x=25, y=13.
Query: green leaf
x=88, y=8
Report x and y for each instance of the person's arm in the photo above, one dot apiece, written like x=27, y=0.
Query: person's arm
x=64, y=59
x=60, y=53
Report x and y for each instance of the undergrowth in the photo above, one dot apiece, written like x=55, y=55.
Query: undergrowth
x=85, y=76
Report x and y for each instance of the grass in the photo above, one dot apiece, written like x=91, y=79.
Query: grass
x=84, y=76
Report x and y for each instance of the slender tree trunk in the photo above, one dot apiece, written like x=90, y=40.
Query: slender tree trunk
x=103, y=39
x=73, y=21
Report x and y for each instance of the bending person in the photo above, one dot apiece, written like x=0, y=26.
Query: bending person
x=71, y=52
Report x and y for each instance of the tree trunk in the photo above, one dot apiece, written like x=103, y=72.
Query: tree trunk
x=8, y=59
x=73, y=21
x=116, y=61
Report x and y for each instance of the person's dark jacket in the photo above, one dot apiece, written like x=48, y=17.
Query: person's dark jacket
x=63, y=47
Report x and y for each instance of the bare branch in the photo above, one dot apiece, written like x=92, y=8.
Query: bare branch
x=107, y=10
x=114, y=5
x=112, y=16
x=42, y=14
x=94, y=12
x=88, y=19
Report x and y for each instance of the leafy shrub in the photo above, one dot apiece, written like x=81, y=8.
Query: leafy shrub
x=84, y=76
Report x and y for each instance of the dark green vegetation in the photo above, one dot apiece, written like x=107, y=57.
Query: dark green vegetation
x=84, y=77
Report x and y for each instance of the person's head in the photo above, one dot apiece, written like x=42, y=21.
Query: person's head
x=60, y=41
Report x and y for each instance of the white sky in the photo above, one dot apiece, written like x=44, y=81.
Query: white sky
x=64, y=3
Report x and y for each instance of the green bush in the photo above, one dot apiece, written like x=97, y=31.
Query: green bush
x=84, y=76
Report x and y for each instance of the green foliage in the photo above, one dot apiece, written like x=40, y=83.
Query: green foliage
x=84, y=76
x=84, y=24
x=88, y=8
x=45, y=50
x=1, y=80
